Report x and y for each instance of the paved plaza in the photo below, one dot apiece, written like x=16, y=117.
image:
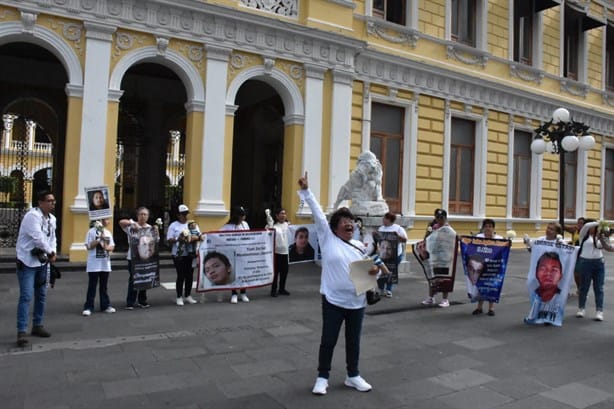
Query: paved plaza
x=263, y=354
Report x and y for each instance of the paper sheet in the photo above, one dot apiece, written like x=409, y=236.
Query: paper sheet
x=359, y=274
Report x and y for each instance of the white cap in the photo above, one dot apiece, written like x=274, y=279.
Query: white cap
x=183, y=209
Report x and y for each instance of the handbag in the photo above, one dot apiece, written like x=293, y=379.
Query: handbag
x=373, y=297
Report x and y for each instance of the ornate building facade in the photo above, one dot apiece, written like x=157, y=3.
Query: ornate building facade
x=224, y=103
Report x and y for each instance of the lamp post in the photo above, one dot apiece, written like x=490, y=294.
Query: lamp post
x=560, y=135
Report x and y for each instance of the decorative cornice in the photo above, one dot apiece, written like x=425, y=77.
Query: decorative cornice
x=466, y=54
x=343, y=77
x=526, y=73
x=345, y=3
x=380, y=28
x=195, y=106
x=99, y=31
x=294, y=119
x=231, y=109
x=217, y=53
x=314, y=71
x=115, y=95
x=74, y=90
x=427, y=79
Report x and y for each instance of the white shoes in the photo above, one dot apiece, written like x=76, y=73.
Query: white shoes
x=444, y=303
x=428, y=301
x=109, y=310
x=86, y=313
x=388, y=294
x=234, y=299
x=599, y=316
x=179, y=301
x=244, y=298
x=320, y=387
x=358, y=383
x=580, y=313
x=190, y=300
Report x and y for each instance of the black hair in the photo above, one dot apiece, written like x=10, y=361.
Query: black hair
x=236, y=213
x=441, y=214
x=216, y=254
x=301, y=229
x=342, y=212
x=42, y=195
x=488, y=221
x=390, y=216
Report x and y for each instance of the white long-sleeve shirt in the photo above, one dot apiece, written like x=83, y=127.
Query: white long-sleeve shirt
x=38, y=231
x=337, y=255
x=590, y=249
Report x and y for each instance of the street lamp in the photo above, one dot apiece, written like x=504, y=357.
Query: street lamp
x=560, y=135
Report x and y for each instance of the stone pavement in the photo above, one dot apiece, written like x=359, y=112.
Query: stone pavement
x=264, y=354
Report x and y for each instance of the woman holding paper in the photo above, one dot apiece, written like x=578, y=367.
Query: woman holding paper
x=339, y=300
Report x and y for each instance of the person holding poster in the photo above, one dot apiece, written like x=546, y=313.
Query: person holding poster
x=339, y=300
x=591, y=266
x=281, y=227
x=550, y=274
x=488, y=232
x=389, y=230
x=237, y=222
x=99, y=243
x=437, y=255
x=183, y=242
x=140, y=237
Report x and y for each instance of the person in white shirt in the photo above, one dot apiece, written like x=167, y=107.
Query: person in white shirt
x=388, y=226
x=339, y=300
x=36, y=248
x=99, y=243
x=182, y=240
x=281, y=227
x=591, y=266
x=237, y=222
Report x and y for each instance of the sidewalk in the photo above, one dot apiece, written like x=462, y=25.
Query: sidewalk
x=263, y=354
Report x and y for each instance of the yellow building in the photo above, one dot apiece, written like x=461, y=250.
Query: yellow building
x=224, y=103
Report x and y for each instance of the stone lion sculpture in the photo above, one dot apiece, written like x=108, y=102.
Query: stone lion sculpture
x=364, y=188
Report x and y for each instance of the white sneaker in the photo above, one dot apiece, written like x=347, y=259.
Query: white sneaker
x=244, y=298
x=599, y=316
x=357, y=383
x=190, y=300
x=179, y=301
x=428, y=301
x=320, y=387
x=388, y=294
x=234, y=299
x=109, y=310
x=86, y=313
x=580, y=313
x=444, y=303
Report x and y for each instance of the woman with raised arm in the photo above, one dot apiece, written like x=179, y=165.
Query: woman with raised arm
x=339, y=300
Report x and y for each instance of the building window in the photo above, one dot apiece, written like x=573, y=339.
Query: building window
x=522, y=174
x=387, y=144
x=390, y=10
x=462, y=152
x=609, y=58
x=524, y=20
x=608, y=184
x=573, y=30
x=464, y=22
x=571, y=177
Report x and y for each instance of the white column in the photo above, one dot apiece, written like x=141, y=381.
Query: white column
x=98, y=39
x=30, y=133
x=175, y=138
x=8, y=120
x=312, y=130
x=340, y=134
x=212, y=168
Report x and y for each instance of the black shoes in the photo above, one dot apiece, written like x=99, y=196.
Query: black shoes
x=283, y=292
x=477, y=311
x=40, y=331
x=22, y=340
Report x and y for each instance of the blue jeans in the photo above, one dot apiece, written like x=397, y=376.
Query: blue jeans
x=131, y=297
x=332, y=318
x=32, y=282
x=591, y=270
x=94, y=276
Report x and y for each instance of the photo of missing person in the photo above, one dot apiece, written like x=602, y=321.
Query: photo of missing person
x=301, y=249
x=218, y=269
x=97, y=200
x=98, y=203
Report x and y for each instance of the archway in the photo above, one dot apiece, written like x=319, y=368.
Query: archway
x=257, y=156
x=150, y=140
x=33, y=105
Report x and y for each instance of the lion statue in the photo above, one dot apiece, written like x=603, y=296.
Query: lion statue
x=364, y=188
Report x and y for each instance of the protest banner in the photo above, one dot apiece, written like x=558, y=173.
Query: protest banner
x=548, y=280
x=485, y=263
x=387, y=245
x=145, y=258
x=303, y=243
x=436, y=254
x=98, y=202
x=236, y=259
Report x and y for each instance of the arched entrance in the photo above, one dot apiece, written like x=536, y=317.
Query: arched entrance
x=150, y=143
x=33, y=105
x=257, y=156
